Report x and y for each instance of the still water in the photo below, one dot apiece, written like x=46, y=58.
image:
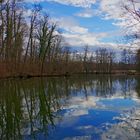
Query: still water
x=75, y=108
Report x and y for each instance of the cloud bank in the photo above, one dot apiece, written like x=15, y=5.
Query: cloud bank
x=76, y=3
x=77, y=35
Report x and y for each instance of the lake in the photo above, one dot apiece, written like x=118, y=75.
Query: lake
x=70, y=108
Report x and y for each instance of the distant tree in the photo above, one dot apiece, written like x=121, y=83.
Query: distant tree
x=111, y=60
x=104, y=60
x=124, y=56
x=127, y=57
x=85, y=58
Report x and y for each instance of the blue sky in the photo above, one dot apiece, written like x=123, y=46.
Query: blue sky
x=90, y=22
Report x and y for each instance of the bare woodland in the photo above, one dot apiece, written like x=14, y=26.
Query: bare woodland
x=31, y=45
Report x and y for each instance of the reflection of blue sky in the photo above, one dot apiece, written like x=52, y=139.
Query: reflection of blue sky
x=87, y=119
x=118, y=104
x=90, y=124
x=88, y=115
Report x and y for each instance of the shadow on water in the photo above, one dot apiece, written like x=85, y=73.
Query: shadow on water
x=31, y=108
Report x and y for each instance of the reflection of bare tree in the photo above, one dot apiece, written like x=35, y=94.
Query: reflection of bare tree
x=138, y=86
x=10, y=112
x=27, y=107
x=105, y=86
x=127, y=84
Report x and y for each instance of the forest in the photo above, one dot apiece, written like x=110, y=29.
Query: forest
x=32, y=45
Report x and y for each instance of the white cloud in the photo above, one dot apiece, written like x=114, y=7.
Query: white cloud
x=90, y=39
x=79, y=138
x=70, y=25
x=125, y=19
x=87, y=13
x=76, y=35
x=115, y=9
x=34, y=1
x=76, y=3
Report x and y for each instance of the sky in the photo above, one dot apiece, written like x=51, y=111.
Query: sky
x=96, y=23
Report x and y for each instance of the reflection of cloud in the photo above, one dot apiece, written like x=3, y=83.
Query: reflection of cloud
x=127, y=94
x=117, y=133
x=85, y=127
x=89, y=129
x=79, y=138
x=78, y=106
x=128, y=129
x=76, y=112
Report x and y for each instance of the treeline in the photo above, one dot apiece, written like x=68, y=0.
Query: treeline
x=103, y=61
x=30, y=44
x=27, y=42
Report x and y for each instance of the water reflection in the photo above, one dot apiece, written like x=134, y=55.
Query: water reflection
x=87, y=107
x=27, y=107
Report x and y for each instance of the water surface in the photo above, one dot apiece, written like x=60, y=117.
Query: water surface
x=75, y=108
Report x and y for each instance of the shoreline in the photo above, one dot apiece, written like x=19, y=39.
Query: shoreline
x=27, y=76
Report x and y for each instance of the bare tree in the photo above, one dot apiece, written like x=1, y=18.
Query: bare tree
x=45, y=36
x=85, y=59
x=104, y=60
x=32, y=27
